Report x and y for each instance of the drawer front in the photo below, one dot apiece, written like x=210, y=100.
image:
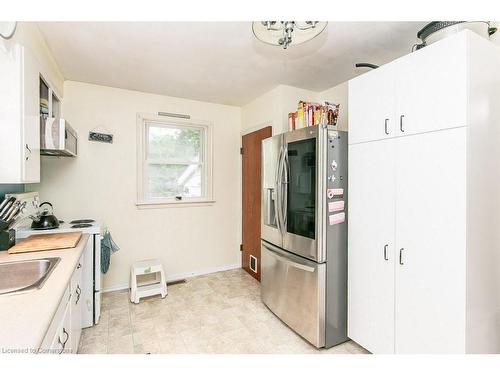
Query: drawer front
x=294, y=289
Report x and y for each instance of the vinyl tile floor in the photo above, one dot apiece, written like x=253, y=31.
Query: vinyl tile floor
x=217, y=313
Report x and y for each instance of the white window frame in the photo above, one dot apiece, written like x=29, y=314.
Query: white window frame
x=207, y=161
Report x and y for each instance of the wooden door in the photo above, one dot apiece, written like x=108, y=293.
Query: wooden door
x=251, y=197
x=371, y=245
x=431, y=242
x=371, y=105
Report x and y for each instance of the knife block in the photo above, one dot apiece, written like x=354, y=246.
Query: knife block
x=7, y=239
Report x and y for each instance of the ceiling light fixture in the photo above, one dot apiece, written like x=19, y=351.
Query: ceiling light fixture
x=287, y=33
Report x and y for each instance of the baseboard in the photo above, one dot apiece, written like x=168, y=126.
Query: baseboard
x=180, y=276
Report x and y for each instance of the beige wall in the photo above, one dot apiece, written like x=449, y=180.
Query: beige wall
x=101, y=183
x=272, y=108
x=28, y=34
x=262, y=111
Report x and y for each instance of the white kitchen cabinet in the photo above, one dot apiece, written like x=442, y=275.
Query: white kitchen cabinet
x=420, y=92
x=431, y=89
x=371, y=190
x=440, y=181
x=371, y=105
x=19, y=115
x=63, y=335
x=430, y=203
x=76, y=306
x=62, y=342
x=55, y=332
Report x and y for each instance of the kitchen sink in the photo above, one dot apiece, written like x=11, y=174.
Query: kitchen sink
x=25, y=275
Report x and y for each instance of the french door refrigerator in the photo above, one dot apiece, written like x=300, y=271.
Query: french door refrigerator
x=304, y=232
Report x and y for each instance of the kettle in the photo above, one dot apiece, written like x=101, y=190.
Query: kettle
x=44, y=219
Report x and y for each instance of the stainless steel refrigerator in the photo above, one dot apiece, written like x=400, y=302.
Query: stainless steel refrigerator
x=304, y=232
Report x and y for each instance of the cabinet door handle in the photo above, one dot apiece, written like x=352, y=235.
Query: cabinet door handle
x=78, y=293
x=386, y=129
x=28, y=148
x=79, y=266
x=401, y=256
x=385, y=252
x=401, y=123
x=63, y=343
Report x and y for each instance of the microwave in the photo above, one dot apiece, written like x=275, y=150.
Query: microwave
x=57, y=138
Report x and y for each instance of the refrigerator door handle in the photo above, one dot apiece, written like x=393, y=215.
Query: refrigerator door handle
x=284, y=186
x=274, y=252
x=279, y=191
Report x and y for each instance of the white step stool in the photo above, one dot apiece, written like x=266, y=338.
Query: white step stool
x=146, y=267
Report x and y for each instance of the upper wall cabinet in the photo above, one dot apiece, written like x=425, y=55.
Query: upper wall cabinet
x=19, y=115
x=371, y=103
x=420, y=92
x=430, y=90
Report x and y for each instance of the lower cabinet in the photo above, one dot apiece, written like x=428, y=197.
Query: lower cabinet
x=407, y=243
x=431, y=243
x=63, y=335
x=76, y=307
x=371, y=245
x=61, y=342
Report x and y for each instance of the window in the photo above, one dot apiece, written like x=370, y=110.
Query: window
x=175, y=161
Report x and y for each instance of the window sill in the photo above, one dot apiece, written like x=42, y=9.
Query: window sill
x=187, y=203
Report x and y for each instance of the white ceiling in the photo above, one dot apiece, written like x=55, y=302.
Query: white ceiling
x=218, y=62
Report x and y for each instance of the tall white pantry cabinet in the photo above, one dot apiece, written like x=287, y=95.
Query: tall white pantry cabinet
x=424, y=201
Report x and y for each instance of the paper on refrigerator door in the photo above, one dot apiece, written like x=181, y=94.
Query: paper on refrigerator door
x=336, y=206
x=332, y=193
x=338, y=192
x=337, y=218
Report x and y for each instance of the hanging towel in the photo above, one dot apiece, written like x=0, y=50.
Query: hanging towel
x=108, y=247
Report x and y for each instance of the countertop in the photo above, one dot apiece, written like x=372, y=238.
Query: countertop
x=26, y=317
